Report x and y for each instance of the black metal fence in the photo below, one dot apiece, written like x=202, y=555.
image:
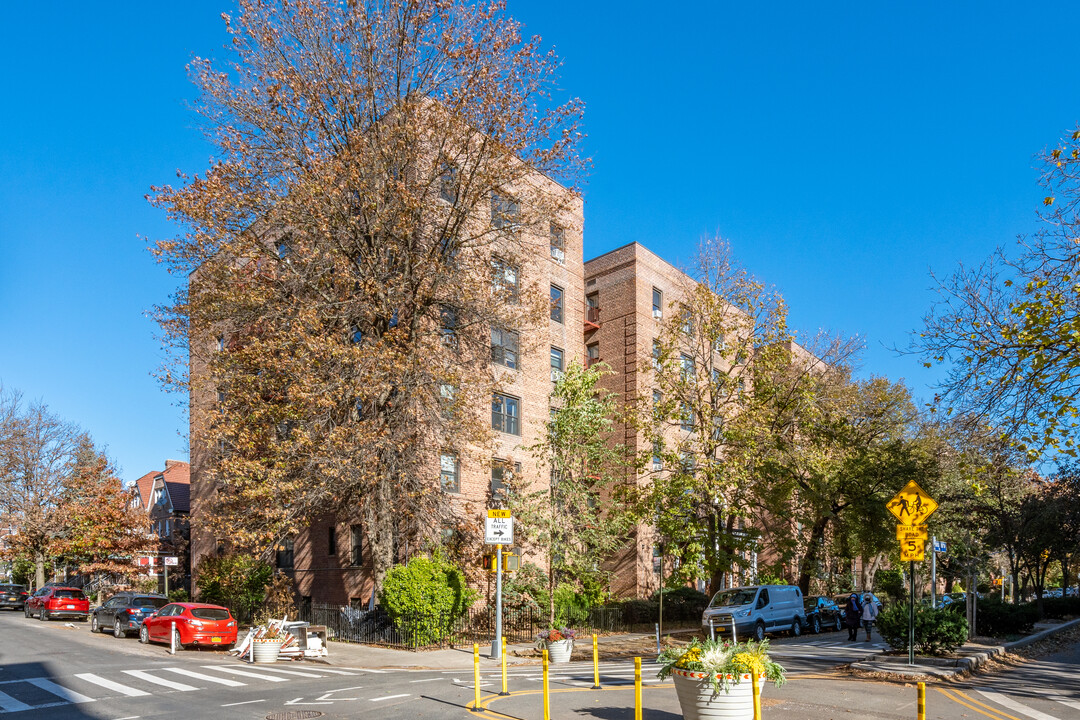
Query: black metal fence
x=477, y=625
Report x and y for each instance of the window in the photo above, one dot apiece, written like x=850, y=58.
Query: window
x=285, y=553
x=284, y=248
x=448, y=325
x=505, y=212
x=656, y=351
x=592, y=308
x=356, y=545
x=504, y=347
x=447, y=396
x=687, y=366
x=448, y=183
x=557, y=365
x=657, y=304
x=686, y=417
x=501, y=476
x=504, y=279
x=221, y=343
x=556, y=303
x=331, y=541
x=657, y=456
x=592, y=354
x=355, y=335
x=449, y=476
x=505, y=414
x=687, y=322
x=657, y=398
x=558, y=243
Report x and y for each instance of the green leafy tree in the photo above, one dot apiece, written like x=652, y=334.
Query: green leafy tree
x=571, y=522
x=1007, y=329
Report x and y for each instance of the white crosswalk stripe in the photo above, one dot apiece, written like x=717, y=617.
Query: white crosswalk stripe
x=298, y=673
x=246, y=673
x=111, y=685
x=10, y=704
x=59, y=690
x=143, y=675
x=203, y=676
x=1006, y=701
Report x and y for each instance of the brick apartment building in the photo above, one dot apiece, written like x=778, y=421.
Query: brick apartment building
x=330, y=559
x=164, y=495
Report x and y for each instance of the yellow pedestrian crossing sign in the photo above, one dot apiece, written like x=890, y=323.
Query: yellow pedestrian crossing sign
x=912, y=505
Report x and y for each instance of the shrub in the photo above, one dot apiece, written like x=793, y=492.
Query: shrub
x=424, y=598
x=525, y=589
x=640, y=611
x=997, y=619
x=236, y=581
x=571, y=607
x=179, y=595
x=937, y=630
x=682, y=603
x=891, y=583
x=1060, y=607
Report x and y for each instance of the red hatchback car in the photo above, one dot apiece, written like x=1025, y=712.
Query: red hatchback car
x=57, y=602
x=195, y=623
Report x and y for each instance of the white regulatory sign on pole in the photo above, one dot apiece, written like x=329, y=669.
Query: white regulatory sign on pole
x=499, y=531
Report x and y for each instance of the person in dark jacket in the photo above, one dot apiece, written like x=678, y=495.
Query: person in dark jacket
x=853, y=617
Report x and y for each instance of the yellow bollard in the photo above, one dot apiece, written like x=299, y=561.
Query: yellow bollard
x=547, y=705
x=504, y=690
x=922, y=701
x=756, y=691
x=637, y=688
x=595, y=664
x=476, y=676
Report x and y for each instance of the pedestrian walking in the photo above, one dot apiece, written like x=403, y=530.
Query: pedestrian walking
x=852, y=617
x=869, y=614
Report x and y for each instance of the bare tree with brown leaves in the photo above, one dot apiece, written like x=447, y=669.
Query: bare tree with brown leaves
x=382, y=170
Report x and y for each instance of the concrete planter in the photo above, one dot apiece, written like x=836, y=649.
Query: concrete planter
x=559, y=650
x=265, y=651
x=699, y=701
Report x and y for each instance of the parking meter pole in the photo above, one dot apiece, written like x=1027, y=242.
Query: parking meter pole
x=733, y=638
x=657, y=638
x=496, y=643
x=911, y=616
x=712, y=630
x=933, y=571
x=166, y=568
x=172, y=639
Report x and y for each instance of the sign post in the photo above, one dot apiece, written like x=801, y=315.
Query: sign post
x=912, y=505
x=498, y=531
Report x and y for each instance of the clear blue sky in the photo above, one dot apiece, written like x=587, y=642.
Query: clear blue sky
x=845, y=149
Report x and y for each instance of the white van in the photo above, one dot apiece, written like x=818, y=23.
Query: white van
x=756, y=610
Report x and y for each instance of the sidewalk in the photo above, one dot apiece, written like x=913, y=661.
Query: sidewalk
x=459, y=658
x=971, y=656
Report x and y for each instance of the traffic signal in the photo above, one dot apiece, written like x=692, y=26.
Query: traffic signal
x=511, y=562
x=488, y=562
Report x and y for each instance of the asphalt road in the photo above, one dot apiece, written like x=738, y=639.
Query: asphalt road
x=60, y=671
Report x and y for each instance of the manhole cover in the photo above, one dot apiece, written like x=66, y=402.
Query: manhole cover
x=294, y=715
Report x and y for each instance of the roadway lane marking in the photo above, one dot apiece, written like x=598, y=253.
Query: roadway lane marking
x=245, y=673
x=143, y=675
x=203, y=676
x=336, y=672
x=367, y=670
x=246, y=702
x=60, y=691
x=111, y=685
x=1008, y=702
x=1051, y=695
x=290, y=672
x=10, y=704
x=389, y=697
x=425, y=680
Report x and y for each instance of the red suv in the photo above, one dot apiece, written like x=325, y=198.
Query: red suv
x=60, y=602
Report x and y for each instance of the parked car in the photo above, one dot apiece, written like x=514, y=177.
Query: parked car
x=124, y=612
x=195, y=624
x=13, y=596
x=57, y=602
x=756, y=610
x=822, y=612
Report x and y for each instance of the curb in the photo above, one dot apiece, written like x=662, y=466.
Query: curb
x=942, y=667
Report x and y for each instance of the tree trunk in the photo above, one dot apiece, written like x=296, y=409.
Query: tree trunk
x=1064, y=576
x=809, y=561
x=39, y=574
x=380, y=525
x=551, y=592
